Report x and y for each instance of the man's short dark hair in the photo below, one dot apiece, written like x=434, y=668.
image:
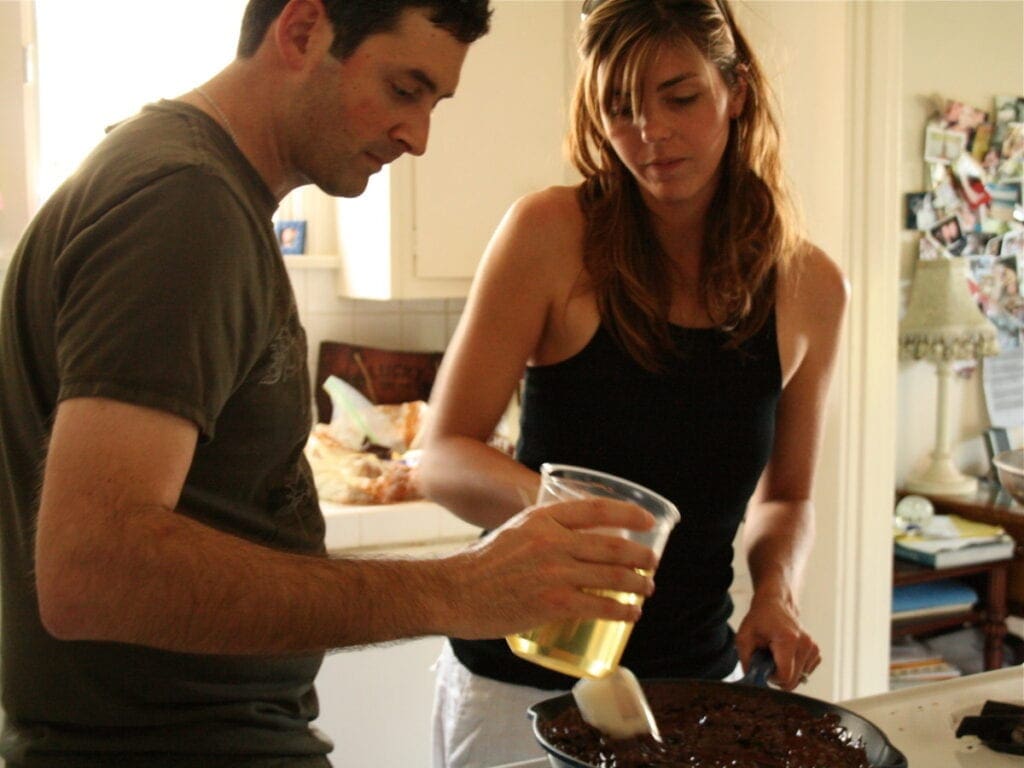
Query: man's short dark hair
x=355, y=20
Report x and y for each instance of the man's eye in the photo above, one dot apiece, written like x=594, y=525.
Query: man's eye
x=403, y=93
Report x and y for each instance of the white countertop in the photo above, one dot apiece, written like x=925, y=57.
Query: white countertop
x=921, y=721
x=386, y=527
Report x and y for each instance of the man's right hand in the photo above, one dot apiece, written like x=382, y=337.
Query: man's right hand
x=536, y=568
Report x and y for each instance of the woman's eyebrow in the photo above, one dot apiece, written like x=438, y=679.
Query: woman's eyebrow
x=676, y=80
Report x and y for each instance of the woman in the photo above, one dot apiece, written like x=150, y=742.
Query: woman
x=675, y=329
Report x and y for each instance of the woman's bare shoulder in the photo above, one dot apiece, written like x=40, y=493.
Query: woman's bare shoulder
x=542, y=230
x=813, y=281
x=554, y=209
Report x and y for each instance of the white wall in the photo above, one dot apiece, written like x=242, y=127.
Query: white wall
x=14, y=148
x=970, y=51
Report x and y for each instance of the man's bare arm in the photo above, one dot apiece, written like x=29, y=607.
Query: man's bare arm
x=116, y=562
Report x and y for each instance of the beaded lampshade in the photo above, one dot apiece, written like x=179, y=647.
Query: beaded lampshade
x=943, y=323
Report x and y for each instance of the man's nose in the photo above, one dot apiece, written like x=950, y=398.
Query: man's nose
x=413, y=134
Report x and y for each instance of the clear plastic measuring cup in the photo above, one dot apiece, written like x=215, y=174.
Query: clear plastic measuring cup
x=592, y=647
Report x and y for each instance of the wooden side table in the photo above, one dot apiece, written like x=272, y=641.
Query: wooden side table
x=990, y=615
x=991, y=504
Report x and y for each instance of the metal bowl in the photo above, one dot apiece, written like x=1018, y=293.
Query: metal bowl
x=1010, y=471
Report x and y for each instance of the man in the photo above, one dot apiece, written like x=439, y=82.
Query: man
x=166, y=596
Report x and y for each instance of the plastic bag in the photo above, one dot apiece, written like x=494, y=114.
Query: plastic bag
x=356, y=423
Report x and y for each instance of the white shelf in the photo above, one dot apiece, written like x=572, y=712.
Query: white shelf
x=312, y=261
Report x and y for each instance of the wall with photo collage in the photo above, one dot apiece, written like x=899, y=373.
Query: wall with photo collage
x=972, y=206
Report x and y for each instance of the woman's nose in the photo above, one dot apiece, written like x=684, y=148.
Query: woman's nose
x=653, y=127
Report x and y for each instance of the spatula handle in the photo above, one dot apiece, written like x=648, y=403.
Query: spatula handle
x=762, y=665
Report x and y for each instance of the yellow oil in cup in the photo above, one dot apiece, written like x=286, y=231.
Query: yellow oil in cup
x=592, y=648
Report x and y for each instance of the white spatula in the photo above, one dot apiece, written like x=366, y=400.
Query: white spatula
x=616, y=705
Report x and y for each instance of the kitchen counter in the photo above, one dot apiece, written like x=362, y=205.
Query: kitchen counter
x=921, y=721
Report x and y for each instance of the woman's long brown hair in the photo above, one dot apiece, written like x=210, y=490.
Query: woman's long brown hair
x=751, y=228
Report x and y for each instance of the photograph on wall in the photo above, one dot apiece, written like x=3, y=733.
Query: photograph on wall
x=995, y=284
x=929, y=248
x=976, y=243
x=291, y=236
x=918, y=211
x=1013, y=243
x=942, y=145
x=1009, y=109
x=972, y=204
x=1003, y=374
x=1005, y=199
x=949, y=235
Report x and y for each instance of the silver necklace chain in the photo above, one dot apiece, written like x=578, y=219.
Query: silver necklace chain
x=219, y=113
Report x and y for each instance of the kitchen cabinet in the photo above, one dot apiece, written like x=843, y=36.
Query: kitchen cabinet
x=421, y=226
x=375, y=703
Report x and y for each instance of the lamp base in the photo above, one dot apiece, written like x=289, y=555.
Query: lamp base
x=941, y=478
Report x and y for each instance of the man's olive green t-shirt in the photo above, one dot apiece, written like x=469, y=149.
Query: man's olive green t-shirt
x=152, y=277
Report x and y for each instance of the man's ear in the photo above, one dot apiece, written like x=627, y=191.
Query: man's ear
x=300, y=30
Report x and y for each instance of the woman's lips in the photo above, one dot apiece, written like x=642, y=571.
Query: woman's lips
x=666, y=167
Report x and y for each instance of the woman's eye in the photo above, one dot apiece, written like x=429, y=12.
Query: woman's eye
x=684, y=100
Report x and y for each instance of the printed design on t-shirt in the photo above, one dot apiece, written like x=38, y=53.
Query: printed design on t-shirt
x=287, y=352
x=291, y=499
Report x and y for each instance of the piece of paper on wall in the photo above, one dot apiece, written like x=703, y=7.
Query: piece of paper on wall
x=1003, y=379
x=997, y=280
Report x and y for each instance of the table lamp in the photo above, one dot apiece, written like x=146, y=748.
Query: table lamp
x=942, y=324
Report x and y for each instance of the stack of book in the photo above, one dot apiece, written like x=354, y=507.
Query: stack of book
x=933, y=598
x=914, y=663
x=949, y=540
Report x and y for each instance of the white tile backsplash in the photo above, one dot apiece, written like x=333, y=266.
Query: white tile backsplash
x=381, y=329
x=419, y=325
x=423, y=331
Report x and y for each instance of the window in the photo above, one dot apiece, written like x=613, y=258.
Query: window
x=100, y=61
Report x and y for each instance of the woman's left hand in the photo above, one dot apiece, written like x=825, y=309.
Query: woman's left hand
x=773, y=622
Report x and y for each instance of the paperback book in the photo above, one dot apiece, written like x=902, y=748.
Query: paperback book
x=950, y=540
x=912, y=662
x=935, y=598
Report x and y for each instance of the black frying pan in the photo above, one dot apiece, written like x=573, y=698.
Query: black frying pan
x=880, y=751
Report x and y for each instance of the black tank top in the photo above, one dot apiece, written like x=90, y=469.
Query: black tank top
x=700, y=434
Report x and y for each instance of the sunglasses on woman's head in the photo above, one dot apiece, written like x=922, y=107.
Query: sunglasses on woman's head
x=589, y=6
